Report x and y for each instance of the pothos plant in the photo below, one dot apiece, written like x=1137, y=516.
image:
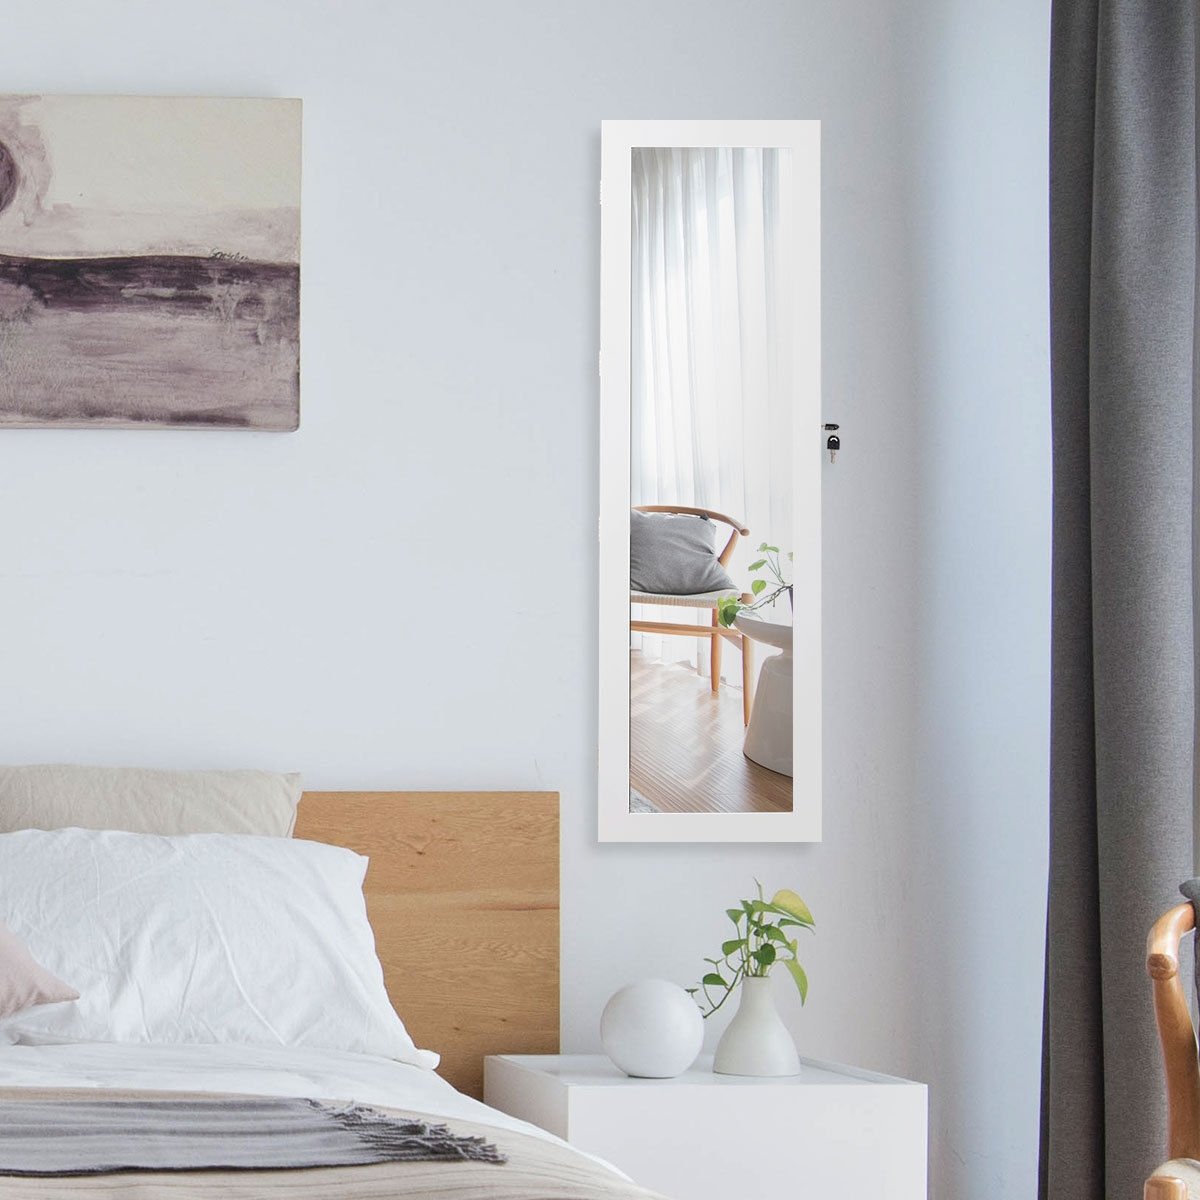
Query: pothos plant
x=766, y=588
x=760, y=941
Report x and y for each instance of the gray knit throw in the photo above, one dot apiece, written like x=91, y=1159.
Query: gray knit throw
x=95, y=1137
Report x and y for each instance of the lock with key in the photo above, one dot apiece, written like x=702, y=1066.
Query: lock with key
x=833, y=443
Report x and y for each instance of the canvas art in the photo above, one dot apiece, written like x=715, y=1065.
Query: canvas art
x=149, y=262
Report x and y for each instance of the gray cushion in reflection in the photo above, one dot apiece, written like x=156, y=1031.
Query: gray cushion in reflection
x=1191, y=890
x=674, y=554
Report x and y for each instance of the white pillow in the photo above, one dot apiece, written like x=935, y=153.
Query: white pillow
x=148, y=801
x=204, y=938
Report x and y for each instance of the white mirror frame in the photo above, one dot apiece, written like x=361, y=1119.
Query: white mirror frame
x=616, y=822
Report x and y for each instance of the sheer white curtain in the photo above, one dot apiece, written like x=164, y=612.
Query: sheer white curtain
x=711, y=376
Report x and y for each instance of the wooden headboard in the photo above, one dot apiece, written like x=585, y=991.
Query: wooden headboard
x=462, y=892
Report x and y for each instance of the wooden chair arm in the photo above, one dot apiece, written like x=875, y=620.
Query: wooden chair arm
x=1163, y=1187
x=688, y=511
x=1176, y=1035
x=1162, y=944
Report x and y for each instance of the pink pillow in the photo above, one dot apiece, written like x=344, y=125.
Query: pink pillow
x=23, y=983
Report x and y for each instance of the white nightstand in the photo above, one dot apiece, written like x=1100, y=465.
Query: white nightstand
x=829, y=1131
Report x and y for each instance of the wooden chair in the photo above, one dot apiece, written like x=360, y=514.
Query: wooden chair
x=1178, y=1040
x=714, y=632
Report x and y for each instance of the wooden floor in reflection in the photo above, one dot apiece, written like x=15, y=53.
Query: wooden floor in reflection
x=685, y=746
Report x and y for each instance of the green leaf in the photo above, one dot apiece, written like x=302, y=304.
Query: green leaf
x=734, y=914
x=797, y=973
x=691, y=991
x=728, y=608
x=758, y=585
x=757, y=566
x=765, y=548
x=733, y=945
x=787, y=922
x=714, y=980
x=770, y=932
x=787, y=901
x=765, y=955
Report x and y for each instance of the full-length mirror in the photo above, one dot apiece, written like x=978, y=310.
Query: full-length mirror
x=710, y=615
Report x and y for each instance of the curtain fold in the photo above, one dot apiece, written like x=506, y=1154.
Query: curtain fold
x=1123, y=366
x=711, y=396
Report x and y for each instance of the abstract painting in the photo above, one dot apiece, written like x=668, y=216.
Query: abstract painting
x=149, y=262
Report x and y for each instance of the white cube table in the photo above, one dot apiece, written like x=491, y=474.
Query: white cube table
x=829, y=1131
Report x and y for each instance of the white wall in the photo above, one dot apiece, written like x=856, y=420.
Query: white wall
x=402, y=594
x=976, y=105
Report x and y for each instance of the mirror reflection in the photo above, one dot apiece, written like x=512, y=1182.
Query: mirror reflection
x=711, y=489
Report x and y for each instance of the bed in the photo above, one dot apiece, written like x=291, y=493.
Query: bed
x=462, y=897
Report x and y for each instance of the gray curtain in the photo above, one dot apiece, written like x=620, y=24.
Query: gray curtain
x=1123, y=285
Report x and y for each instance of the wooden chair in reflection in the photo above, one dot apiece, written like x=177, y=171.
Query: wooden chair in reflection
x=1177, y=1179
x=715, y=632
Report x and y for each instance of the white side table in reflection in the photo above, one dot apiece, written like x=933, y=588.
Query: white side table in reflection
x=769, y=737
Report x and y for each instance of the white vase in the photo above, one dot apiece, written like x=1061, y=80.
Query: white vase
x=757, y=1041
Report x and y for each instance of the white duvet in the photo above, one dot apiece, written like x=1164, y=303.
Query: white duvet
x=250, y=1070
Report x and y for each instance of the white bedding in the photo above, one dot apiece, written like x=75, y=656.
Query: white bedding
x=250, y=1070
x=203, y=939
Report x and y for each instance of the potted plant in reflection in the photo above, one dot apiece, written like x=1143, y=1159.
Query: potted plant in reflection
x=756, y=1041
x=767, y=586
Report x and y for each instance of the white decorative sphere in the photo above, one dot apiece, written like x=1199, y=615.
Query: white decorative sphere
x=652, y=1029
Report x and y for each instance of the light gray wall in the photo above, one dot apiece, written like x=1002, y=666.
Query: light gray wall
x=402, y=594
x=975, y=114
